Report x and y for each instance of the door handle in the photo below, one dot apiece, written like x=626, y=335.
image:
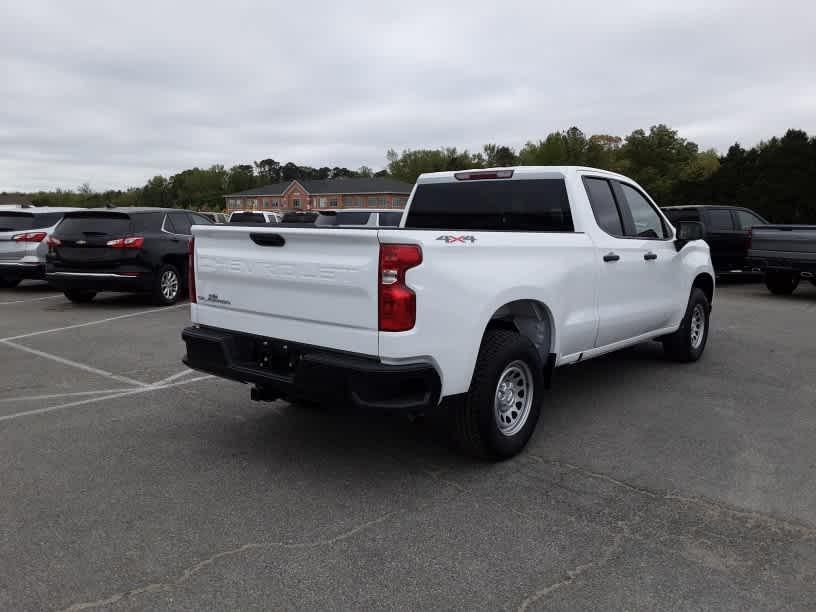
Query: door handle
x=650, y=256
x=611, y=257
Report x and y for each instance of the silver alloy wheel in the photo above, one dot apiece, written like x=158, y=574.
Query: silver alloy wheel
x=514, y=398
x=169, y=285
x=697, y=326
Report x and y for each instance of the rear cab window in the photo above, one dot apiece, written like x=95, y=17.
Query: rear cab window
x=522, y=205
x=342, y=218
x=247, y=217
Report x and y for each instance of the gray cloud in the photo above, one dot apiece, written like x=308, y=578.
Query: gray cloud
x=111, y=95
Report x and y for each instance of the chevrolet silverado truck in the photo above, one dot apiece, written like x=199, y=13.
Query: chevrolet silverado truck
x=786, y=253
x=493, y=279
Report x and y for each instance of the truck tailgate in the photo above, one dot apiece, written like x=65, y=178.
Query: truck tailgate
x=785, y=239
x=313, y=286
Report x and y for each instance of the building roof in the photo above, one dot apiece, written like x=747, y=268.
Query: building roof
x=339, y=186
x=13, y=198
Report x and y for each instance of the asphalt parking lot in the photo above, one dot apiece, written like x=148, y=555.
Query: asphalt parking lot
x=130, y=483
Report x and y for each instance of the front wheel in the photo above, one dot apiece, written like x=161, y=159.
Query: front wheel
x=167, y=286
x=497, y=416
x=689, y=341
x=780, y=282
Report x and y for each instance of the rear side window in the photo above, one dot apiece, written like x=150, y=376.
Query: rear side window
x=539, y=205
x=178, y=223
x=94, y=225
x=747, y=220
x=147, y=222
x=720, y=220
x=390, y=219
x=603, y=205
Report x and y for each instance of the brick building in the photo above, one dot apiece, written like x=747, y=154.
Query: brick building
x=329, y=193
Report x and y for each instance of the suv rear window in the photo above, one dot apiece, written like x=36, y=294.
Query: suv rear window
x=94, y=224
x=687, y=214
x=539, y=205
x=342, y=218
x=12, y=222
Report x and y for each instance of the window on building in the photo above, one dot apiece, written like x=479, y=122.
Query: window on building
x=275, y=203
x=396, y=201
x=359, y=202
x=266, y=203
x=323, y=202
x=372, y=202
x=333, y=203
x=296, y=203
x=383, y=201
x=348, y=201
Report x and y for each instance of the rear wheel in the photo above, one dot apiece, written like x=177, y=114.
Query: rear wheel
x=780, y=282
x=80, y=296
x=689, y=341
x=7, y=282
x=167, y=286
x=497, y=416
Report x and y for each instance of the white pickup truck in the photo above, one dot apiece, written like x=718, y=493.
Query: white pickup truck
x=493, y=279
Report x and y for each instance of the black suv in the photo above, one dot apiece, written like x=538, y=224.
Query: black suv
x=726, y=229
x=133, y=250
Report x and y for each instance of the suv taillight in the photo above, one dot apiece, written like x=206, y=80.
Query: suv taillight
x=397, y=300
x=30, y=237
x=128, y=242
x=191, y=270
x=54, y=242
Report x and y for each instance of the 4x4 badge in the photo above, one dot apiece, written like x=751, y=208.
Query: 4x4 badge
x=451, y=239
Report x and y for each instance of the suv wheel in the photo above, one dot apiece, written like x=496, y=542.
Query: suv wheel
x=80, y=296
x=500, y=411
x=780, y=282
x=167, y=285
x=7, y=282
x=689, y=341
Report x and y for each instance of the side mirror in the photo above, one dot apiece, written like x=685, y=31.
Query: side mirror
x=686, y=232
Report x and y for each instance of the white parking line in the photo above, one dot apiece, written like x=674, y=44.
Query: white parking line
x=184, y=372
x=17, y=415
x=75, y=364
x=47, y=297
x=32, y=398
x=97, y=322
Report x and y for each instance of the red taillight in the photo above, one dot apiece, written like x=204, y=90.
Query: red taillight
x=54, y=242
x=191, y=270
x=397, y=301
x=488, y=174
x=128, y=242
x=30, y=237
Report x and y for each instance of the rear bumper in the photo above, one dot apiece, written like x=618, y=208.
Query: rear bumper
x=771, y=260
x=293, y=371
x=22, y=270
x=100, y=281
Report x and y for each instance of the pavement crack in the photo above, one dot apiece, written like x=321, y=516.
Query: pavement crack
x=198, y=567
x=710, y=508
x=575, y=573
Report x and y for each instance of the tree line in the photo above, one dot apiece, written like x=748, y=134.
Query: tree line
x=771, y=177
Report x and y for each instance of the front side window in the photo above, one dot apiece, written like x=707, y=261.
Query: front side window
x=647, y=223
x=747, y=220
x=603, y=205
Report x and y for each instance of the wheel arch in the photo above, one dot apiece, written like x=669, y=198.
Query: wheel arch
x=705, y=282
x=530, y=318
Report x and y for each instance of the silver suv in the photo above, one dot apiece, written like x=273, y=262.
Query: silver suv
x=24, y=236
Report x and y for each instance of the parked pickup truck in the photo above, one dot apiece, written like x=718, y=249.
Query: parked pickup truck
x=787, y=254
x=493, y=279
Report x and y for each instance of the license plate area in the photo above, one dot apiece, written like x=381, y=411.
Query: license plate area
x=278, y=356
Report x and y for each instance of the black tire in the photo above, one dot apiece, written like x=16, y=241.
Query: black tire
x=80, y=296
x=9, y=282
x=162, y=296
x=684, y=345
x=813, y=281
x=475, y=419
x=780, y=282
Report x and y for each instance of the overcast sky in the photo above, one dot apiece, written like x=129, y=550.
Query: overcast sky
x=113, y=93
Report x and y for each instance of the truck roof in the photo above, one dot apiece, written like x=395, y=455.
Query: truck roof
x=520, y=171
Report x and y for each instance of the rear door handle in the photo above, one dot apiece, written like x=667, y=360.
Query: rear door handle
x=611, y=257
x=650, y=256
